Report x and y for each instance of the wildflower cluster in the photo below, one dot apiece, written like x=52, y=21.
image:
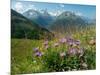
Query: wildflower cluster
x=63, y=55
x=37, y=53
x=74, y=47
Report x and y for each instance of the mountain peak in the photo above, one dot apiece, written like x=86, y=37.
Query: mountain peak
x=42, y=17
x=67, y=14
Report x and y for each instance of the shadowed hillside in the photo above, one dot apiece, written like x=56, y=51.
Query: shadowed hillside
x=21, y=27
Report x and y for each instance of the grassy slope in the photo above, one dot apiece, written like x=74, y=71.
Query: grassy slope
x=22, y=60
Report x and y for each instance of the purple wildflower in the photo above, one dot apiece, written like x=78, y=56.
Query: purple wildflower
x=38, y=54
x=70, y=41
x=72, y=51
x=63, y=40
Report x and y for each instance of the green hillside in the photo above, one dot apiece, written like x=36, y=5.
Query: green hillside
x=21, y=27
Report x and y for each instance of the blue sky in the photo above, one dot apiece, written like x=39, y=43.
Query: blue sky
x=55, y=8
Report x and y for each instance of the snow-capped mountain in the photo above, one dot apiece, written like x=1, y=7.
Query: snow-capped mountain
x=66, y=21
x=42, y=18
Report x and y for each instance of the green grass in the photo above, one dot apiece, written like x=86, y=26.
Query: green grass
x=24, y=61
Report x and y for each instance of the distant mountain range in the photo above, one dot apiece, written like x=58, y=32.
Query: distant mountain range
x=21, y=27
x=34, y=24
x=43, y=19
x=68, y=21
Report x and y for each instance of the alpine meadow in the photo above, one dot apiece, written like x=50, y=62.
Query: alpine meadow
x=52, y=37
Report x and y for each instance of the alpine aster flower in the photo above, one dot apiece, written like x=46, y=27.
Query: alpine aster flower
x=72, y=51
x=70, y=41
x=38, y=54
x=63, y=40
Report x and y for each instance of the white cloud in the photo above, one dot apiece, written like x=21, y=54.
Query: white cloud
x=19, y=7
x=32, y=7
x=79, y=13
